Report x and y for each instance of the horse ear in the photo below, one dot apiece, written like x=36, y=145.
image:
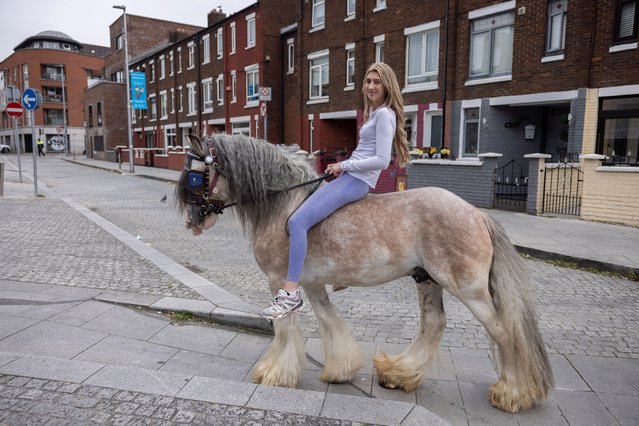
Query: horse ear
x=196, y=144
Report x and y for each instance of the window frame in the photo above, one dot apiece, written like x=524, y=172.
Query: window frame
x=251, y=29
x=191, y=60
x=252, y=100
x=424, y=31
x=207, y=95
x=206, y=49
x=549, y=32
x=233, y=39
x=491, y=31
x=323, y=94
x=465, y=131
x=350, y=60
x=233, y=86
x=219, y=85
x=290, y=50
x=162, y=66
x=316, y=5
x=618, y=39
x=191, y=99
x=164, y=112
x=351, y=8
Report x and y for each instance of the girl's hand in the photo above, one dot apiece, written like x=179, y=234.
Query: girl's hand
x=334, y=169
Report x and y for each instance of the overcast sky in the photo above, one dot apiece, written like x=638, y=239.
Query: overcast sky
x=87, y=21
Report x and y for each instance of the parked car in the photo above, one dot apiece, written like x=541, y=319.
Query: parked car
x=4, y=148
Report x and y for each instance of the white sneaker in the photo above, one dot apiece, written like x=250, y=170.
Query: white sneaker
x=282, y=305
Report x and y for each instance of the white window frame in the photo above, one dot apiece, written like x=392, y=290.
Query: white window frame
x=252, y=73
x=466, y=105
x=162, y=70
x=428, y=31
x=379, y=5
x=219, y=85
x=250, y=31
x=151, y=70
x=180, y=99
x=322, y=69
x=153, y=107
x=206, y=49
x=350, y=66
x=172, y=100
x=351, y=6
x=233, y=39
x=191, y=99
x=290, y=49
x=179, y=62
x=164, y=114
x=379, y=47
x=168, y=132
x=220, y=43
x=490, y=12
x=233, y=86
x=207, y=95
x=557, y=16
x=171, y=64
x=191, y=47
x=318, y=22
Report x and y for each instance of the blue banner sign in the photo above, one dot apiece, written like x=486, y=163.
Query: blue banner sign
x=138, y=90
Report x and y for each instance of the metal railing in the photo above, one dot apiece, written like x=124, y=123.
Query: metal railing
x=511, y=187
x=620, y=160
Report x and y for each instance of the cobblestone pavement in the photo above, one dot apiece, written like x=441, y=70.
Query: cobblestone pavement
x=37, y=402
x=580, y=313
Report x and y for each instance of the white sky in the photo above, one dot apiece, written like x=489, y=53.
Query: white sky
x=87, y=21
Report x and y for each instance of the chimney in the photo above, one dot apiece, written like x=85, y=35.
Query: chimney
x=215, y=16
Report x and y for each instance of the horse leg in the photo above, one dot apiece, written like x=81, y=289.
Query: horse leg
x=283, y=363
x=343, y=356
x=407, y=370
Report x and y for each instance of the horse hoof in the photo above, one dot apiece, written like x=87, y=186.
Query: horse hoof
x=387, y=385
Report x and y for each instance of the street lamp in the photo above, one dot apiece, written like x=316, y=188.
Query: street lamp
x=128, y=93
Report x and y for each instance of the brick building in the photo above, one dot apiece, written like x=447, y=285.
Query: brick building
x=105, y=100
x=39, y=62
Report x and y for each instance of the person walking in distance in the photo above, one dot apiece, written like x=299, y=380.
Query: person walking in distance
x=383, y=129
x=40, y=147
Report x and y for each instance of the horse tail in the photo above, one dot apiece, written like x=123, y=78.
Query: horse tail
x=526, y=375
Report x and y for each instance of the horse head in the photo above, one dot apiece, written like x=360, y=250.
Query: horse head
x=202, y=189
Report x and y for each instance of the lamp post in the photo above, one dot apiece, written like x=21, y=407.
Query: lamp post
x=128, y=93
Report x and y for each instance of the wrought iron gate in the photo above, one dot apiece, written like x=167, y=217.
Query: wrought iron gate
x=511, y=187
x=563, y=186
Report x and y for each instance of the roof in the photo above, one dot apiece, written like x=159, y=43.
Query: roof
x=49, y=36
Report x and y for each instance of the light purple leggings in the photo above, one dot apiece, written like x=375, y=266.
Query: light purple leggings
x=330, y=197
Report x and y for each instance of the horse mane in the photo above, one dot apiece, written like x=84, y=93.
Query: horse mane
x=256, y=172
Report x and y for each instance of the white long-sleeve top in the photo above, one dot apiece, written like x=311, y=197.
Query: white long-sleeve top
x=373, y=153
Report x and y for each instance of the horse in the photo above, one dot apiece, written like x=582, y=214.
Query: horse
x=444, y=242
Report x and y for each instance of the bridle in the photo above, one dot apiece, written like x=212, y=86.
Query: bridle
x=202, y=184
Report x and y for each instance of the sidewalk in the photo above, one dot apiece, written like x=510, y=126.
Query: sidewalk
x=120, y=365
x=606, y=247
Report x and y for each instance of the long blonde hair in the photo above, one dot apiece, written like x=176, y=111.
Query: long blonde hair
x=395, y=102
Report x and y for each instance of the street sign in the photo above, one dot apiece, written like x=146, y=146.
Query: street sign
x=30, y=99
x=138, y=90
x=59, y=128
x=14, y=109
x=263, y=109
x=265, y=93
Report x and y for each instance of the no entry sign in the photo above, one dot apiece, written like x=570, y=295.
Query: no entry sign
x=14, y=109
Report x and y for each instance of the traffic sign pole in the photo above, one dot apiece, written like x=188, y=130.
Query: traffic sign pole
x=17, y=144
x=35, y=157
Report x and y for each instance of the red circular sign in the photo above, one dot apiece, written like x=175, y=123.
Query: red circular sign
x=14, y=109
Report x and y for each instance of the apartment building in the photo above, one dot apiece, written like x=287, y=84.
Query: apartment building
x=105, y=100
x=41, y=62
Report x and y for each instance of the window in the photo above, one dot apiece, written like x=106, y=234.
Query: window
x=154, y=107
x=252, y=84
x=170, y=137
x=243, y=128
x=626, y=22
x=291, y=54
x=207, y=94
x=250, y=30
x=220, y=43
x=471, y=132
x=90, y=112
x=318, y=76
x=119, y=42
x=379, y=47
x=52, y=94
x=163, y=106
x=180, y=99
x=422, y=55
x=318, y=17
x=219, y=84
x=191, y=55
x=350, y=65
x=232, y=38
x=379, y=5
x=233, y=87
x=172, y=100
x=350, y=9
x=179, y=61
x=618, y=136
x=171, y=65
x=556, y=26
x=206, y=49
x=151, y=71
x=491, y=45
x=161, y=64
x=98, y=110
x=192, y=101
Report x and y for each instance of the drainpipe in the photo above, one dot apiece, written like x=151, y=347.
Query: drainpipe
x=445, y=77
